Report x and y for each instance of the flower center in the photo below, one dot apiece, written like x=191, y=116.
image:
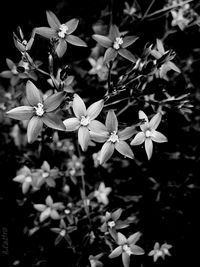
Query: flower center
x=28, y=179
x=14, y=70
x=63, y=30
x=85, y=121
x=148, y=133
x=24, y=42
x=117, y=43
x=63, y=232
x=111, y=224
x=39, y=109
x=45, y=174
x=127, y=249
x=113, y=137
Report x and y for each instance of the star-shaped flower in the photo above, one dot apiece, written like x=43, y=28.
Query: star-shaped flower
x=113, y=138
x=84, y=120
x=160, y=53
x=49, y=175
x=126, y=248
x=160, y=251
x=99, y=68
x=39, y=111
x=50, y=209
x=112, y=223
x=61, y=33
x=115, y=43
x=102, y=193
x=149, y=133
x=24, y=177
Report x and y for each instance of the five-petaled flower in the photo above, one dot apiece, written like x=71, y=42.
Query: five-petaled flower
x=149, y=133
x=84, y=120
x=102, y=193
x=24, y=177
x=113, y=138
x=50, y=209
x=160, y=53
x=160, y=251
x=61, y=33
x=126, y=247
x=39, y=111
x=99, y=68
x=112, y=223
x=115, y=44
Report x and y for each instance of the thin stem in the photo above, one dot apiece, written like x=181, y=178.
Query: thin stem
x=165, y=9
x=149, y=7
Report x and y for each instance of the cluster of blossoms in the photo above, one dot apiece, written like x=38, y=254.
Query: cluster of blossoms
x=182, y=15
x=34, y=178
x=43, y=111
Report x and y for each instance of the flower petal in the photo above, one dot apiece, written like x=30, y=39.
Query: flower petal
x=106, y=152
x=78, y=106
x=158, y=137
x=53, y=101
x=39, y=207
x=148, y=147
x=99, y=137
x=111, y=121
x=142, y=116
x=102, y=40
x=94, y=109
x=83, y=137
x=74, y=40
x=134, y=238
x=116, y=214
x=34, y=128
x=136, y=249
x=98, y=127
x=21, y=113
x=61, y=48
x=45, y=214
x=10, y=63
x=33, y=94
x=127, y=54
x=126, y=133
x=116, y=252
x=114, y=32
x=6, y=74
x=121, y=239
x=53, y=21
x=71, y=124
x=155, y=121
x=46, y=32
x=53, y=120
x=110, y=55
x=123, y=148
x=54, y=215
x=72, y=25
x=129, y=40
x=125, y=259
x=138, y=139
x=25, y=187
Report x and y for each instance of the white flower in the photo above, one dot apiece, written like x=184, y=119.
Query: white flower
x=102, y=193
x=149, y=133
